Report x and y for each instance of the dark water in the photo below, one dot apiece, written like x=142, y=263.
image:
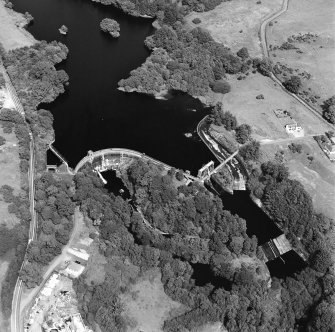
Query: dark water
x=93, y=114
x=115, y=184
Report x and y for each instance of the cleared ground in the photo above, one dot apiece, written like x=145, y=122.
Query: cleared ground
x=236, y=23
x=316, y=175
x=147, y=306
x=318, y=54
x=259, y=113
x=12, y=33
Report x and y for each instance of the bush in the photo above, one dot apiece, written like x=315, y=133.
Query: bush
x=220, y=87
x=196, y=20
x=293, y=84
x=329, y=114
x=243, y=53
x=321, y=260
x=295, y=147
x=243, y=133
x=251, y=151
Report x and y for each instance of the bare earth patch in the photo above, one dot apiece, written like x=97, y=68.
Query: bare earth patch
x=146, y=304
x=318, y=54
x=12, y=33
x=259, y=113
x=236, y=23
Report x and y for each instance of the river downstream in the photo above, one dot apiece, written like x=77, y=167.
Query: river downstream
x=94, y=115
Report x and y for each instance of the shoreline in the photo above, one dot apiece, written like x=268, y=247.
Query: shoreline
x=12, y=29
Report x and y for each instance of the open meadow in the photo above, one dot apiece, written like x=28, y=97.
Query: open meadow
x=236, y=23
x=259, y=113
x=309, y=26
x=12, y=33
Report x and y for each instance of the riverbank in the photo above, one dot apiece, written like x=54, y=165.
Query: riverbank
x=12, y=29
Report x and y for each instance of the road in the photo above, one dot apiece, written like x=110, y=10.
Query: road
x=264, y=44
x=16, y=321
x=77, y=220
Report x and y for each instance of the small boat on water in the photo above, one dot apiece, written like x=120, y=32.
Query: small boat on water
x=63, y=29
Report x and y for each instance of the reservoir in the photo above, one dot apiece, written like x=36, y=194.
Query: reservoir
x=94, y=115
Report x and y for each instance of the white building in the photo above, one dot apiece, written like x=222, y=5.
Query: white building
x=74, y=270
x=295, y=129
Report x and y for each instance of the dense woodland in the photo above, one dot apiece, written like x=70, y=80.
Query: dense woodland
x=201, y=232
x=162, y=9
x=15, y=239
x=36, y=80
x=33, y=74
x=188, y=61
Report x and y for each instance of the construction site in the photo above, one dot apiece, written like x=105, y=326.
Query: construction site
x=55, y=306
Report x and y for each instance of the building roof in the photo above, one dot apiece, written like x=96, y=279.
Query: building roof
x=74, y=270
x=81, y=253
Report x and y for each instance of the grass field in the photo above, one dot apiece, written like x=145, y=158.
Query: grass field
x=317, y=176
x=146, y=304
x=12, y=34
x=236, y=23
x=259, y=113
x=318, y=54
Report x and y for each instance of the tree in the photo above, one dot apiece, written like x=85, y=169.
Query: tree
x=293, y=84
x=264, y=66
x=321, y=260
x=329, y=114
x=31, y=275
x=110, y=26
x=250, y=151
x=243, y=53
x=243, y=133
x=220, y=87
x=229, y=121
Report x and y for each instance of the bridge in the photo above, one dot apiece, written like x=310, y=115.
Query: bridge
x=208, y=170
x=106, y=162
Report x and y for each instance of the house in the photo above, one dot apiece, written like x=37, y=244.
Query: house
x=293, y=128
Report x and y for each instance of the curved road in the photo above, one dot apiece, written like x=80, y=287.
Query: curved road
x=264, y=44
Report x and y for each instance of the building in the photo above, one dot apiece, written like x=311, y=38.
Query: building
x=293, y=127
x=79, y=253
x=330, y=149
x=74, y=270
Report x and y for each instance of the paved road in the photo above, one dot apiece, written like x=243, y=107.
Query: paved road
x=264, y=43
